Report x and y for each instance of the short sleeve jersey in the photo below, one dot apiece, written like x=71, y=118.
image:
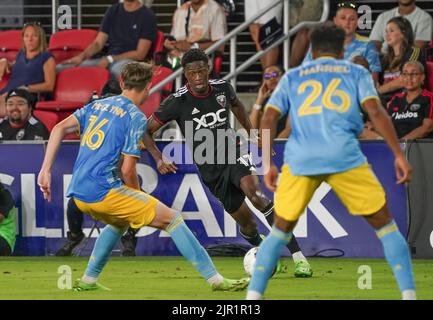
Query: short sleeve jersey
x=360, y=46
x=407, y=116
x=125, y=29
x=32, y=130
x=204, y=116
x=323, y=99
x=109, y=127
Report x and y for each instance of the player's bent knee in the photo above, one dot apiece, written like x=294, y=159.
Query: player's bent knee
x=163, y=217
x=284, y=225
x=380, y=218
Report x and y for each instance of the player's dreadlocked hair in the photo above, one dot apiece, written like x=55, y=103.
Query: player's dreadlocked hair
x=194, y=55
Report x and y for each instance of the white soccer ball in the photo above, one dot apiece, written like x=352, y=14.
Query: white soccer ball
x=250, y=261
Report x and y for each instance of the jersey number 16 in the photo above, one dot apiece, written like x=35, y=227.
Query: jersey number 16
x=93, y=132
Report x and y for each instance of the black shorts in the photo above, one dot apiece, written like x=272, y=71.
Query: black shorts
x=226, y=186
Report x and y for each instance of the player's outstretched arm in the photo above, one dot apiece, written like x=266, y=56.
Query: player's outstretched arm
x=68, y=125
x=382, y=123
x=268, y=127
x=163, y=164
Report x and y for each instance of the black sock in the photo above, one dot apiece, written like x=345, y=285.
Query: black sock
x=253, y=240
x=75, y=218
x=268, y=212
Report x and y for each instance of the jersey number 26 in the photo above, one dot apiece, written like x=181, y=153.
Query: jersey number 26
x=307, y=107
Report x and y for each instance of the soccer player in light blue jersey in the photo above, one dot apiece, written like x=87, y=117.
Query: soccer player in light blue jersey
x=323, y=98
x=111, y=130
x=355, y=45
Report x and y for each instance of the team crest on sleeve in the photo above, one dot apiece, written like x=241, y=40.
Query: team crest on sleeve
x=221, y=99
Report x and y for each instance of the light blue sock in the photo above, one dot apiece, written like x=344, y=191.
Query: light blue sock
x=266, y=259
x=105, y=243
x=190, y=248
x=397, y=255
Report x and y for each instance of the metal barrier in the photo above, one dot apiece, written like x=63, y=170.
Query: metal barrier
x=232, y=37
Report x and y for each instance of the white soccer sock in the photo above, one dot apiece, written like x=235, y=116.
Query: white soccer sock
x=253, y=295
x=408, y=295
x=89, y=280
x=216, y=279
x=298, y=256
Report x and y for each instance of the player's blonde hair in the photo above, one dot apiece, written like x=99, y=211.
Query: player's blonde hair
x=136, y=75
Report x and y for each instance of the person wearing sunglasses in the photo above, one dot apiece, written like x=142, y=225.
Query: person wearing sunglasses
x=271, y=77
x=356, y=47
x=34, y=68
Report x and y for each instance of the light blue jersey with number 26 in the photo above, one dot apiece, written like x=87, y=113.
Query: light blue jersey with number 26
x=323, y=99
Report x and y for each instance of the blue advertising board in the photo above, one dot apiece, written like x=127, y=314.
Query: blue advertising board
x=326, y=227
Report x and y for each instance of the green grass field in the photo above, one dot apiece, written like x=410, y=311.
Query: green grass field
x=172, y=278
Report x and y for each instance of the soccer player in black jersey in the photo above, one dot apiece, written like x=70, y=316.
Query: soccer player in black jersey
x=201, y=109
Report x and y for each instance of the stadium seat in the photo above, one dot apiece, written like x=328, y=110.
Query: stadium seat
x=10, y=43
x=159, y=74
x=48, y=118
x=217, y=65
x=149, y=106
x=66, y=44
x=4, y=80
x=74, y=87
x=158, y=45
x=429, y=76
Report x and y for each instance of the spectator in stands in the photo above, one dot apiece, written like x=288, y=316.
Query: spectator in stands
x=196, y=24
x=400, y=40
x=271, y=77
x=412, y=110
x=356, y=47
x=19, y=123
x=306, y=10
x=420, y=20
x=34, y=68
x=129, y=28
x=7, y=222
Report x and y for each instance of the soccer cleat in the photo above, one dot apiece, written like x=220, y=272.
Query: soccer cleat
x=231, y=285
x=71, y=243
x=303, y=269
x=79, y=285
